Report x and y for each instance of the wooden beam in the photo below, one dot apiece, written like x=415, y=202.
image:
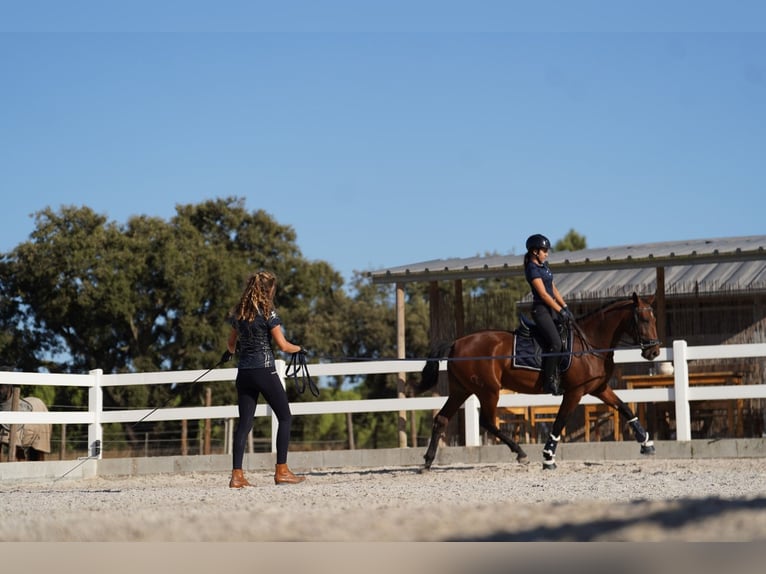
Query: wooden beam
x=662, y=331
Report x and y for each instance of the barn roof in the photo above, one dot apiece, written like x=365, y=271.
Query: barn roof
x=701, y=265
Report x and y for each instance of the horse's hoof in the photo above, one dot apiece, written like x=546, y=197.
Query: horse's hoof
x=424, y=470
x=522, y=458
x=549, y=465
x=647, y=449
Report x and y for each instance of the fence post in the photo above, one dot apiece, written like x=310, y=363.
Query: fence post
x=681, y=391
x=472, y=437
x=96, y=407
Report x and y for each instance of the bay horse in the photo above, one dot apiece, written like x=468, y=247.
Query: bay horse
x=482, y=363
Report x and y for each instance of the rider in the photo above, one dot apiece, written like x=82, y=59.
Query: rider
x=548, y=308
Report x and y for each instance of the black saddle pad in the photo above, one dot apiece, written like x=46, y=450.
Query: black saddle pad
x=527, y=353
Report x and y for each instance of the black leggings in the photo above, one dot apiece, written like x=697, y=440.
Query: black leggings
x=251, y=383
x=543, y=316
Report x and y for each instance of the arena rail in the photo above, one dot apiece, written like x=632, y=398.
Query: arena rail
x=681, y=393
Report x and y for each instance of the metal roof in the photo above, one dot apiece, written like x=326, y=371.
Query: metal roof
x=709, y=265
x=708, y=278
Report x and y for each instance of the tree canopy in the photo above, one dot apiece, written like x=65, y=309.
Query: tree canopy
x=151, y=294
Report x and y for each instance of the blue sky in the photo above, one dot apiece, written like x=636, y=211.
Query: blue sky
x=394, y=133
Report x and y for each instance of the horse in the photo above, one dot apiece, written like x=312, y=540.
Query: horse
x=483, y=362
x=33, y=441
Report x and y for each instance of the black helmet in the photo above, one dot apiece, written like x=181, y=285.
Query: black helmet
x=537, y=241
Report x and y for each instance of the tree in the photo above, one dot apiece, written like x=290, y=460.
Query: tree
x=572, y=241
x=86, y=293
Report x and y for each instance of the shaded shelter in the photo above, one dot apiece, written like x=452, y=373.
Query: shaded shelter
x=719, y=269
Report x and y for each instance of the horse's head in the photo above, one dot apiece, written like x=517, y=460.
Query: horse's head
x=645, y=327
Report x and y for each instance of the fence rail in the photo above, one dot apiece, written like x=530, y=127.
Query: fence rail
x=681, y=393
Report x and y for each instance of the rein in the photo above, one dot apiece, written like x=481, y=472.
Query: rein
x=297, y=368
x=642, y=343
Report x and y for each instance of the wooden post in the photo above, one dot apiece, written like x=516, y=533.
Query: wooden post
x=14, y=429
x=459, y=311
x=208, y=430
x=184, y=437
x=350, y=427
x=442, y=329
x=400, y=354
x=660, y=304
x=62, y=446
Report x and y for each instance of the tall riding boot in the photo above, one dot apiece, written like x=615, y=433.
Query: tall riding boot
x=551, y=382
x=238, y=479
x=282, y=475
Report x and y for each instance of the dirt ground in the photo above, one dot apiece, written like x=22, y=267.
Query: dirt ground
x=626, y=501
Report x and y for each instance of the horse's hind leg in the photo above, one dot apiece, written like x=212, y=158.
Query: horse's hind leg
x=521, y=456
x=440, y=425
x=642, y=436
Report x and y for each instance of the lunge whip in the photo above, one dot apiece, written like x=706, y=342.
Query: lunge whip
x=225, y=357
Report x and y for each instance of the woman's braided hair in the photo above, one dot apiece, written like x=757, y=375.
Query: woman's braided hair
x=258, y=296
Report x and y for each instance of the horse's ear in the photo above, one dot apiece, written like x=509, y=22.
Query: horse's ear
x=635, y=298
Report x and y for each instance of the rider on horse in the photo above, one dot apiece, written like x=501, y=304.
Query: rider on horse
x=548, y=308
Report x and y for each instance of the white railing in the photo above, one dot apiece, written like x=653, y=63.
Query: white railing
x=681, y=393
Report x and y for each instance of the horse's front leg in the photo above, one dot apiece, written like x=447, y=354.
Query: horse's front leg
x=642, y=437
x=568, y=405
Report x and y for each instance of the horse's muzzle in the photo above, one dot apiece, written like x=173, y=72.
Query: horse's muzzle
x=650, y=351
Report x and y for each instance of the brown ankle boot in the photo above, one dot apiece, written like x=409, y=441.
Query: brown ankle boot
x=238, y=479
x=282, y=475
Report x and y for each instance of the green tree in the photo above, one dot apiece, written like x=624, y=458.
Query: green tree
x=86, y=293
x=572, y=241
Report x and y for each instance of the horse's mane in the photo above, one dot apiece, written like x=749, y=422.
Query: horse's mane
x=605, y=306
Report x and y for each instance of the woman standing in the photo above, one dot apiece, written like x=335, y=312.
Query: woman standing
x=548, y=308
x=254, y=325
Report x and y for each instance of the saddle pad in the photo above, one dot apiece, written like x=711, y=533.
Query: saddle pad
x=527, y=353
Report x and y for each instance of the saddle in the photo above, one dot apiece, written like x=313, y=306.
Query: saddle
x=527, y=350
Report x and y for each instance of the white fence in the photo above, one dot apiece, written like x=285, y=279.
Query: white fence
x=681, y=393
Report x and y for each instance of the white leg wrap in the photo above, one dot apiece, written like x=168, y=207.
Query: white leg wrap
x=549, y=456
x=648, y=441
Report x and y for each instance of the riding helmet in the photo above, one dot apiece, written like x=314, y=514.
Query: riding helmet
x=537, y=241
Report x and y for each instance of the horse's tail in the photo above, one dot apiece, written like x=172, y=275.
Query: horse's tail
x=430, y=374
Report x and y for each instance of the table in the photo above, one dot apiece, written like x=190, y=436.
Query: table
x=700, y=410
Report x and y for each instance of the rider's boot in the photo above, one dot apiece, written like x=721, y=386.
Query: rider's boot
x=551, y=380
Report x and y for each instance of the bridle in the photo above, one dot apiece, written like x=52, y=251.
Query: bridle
x=643, y=343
